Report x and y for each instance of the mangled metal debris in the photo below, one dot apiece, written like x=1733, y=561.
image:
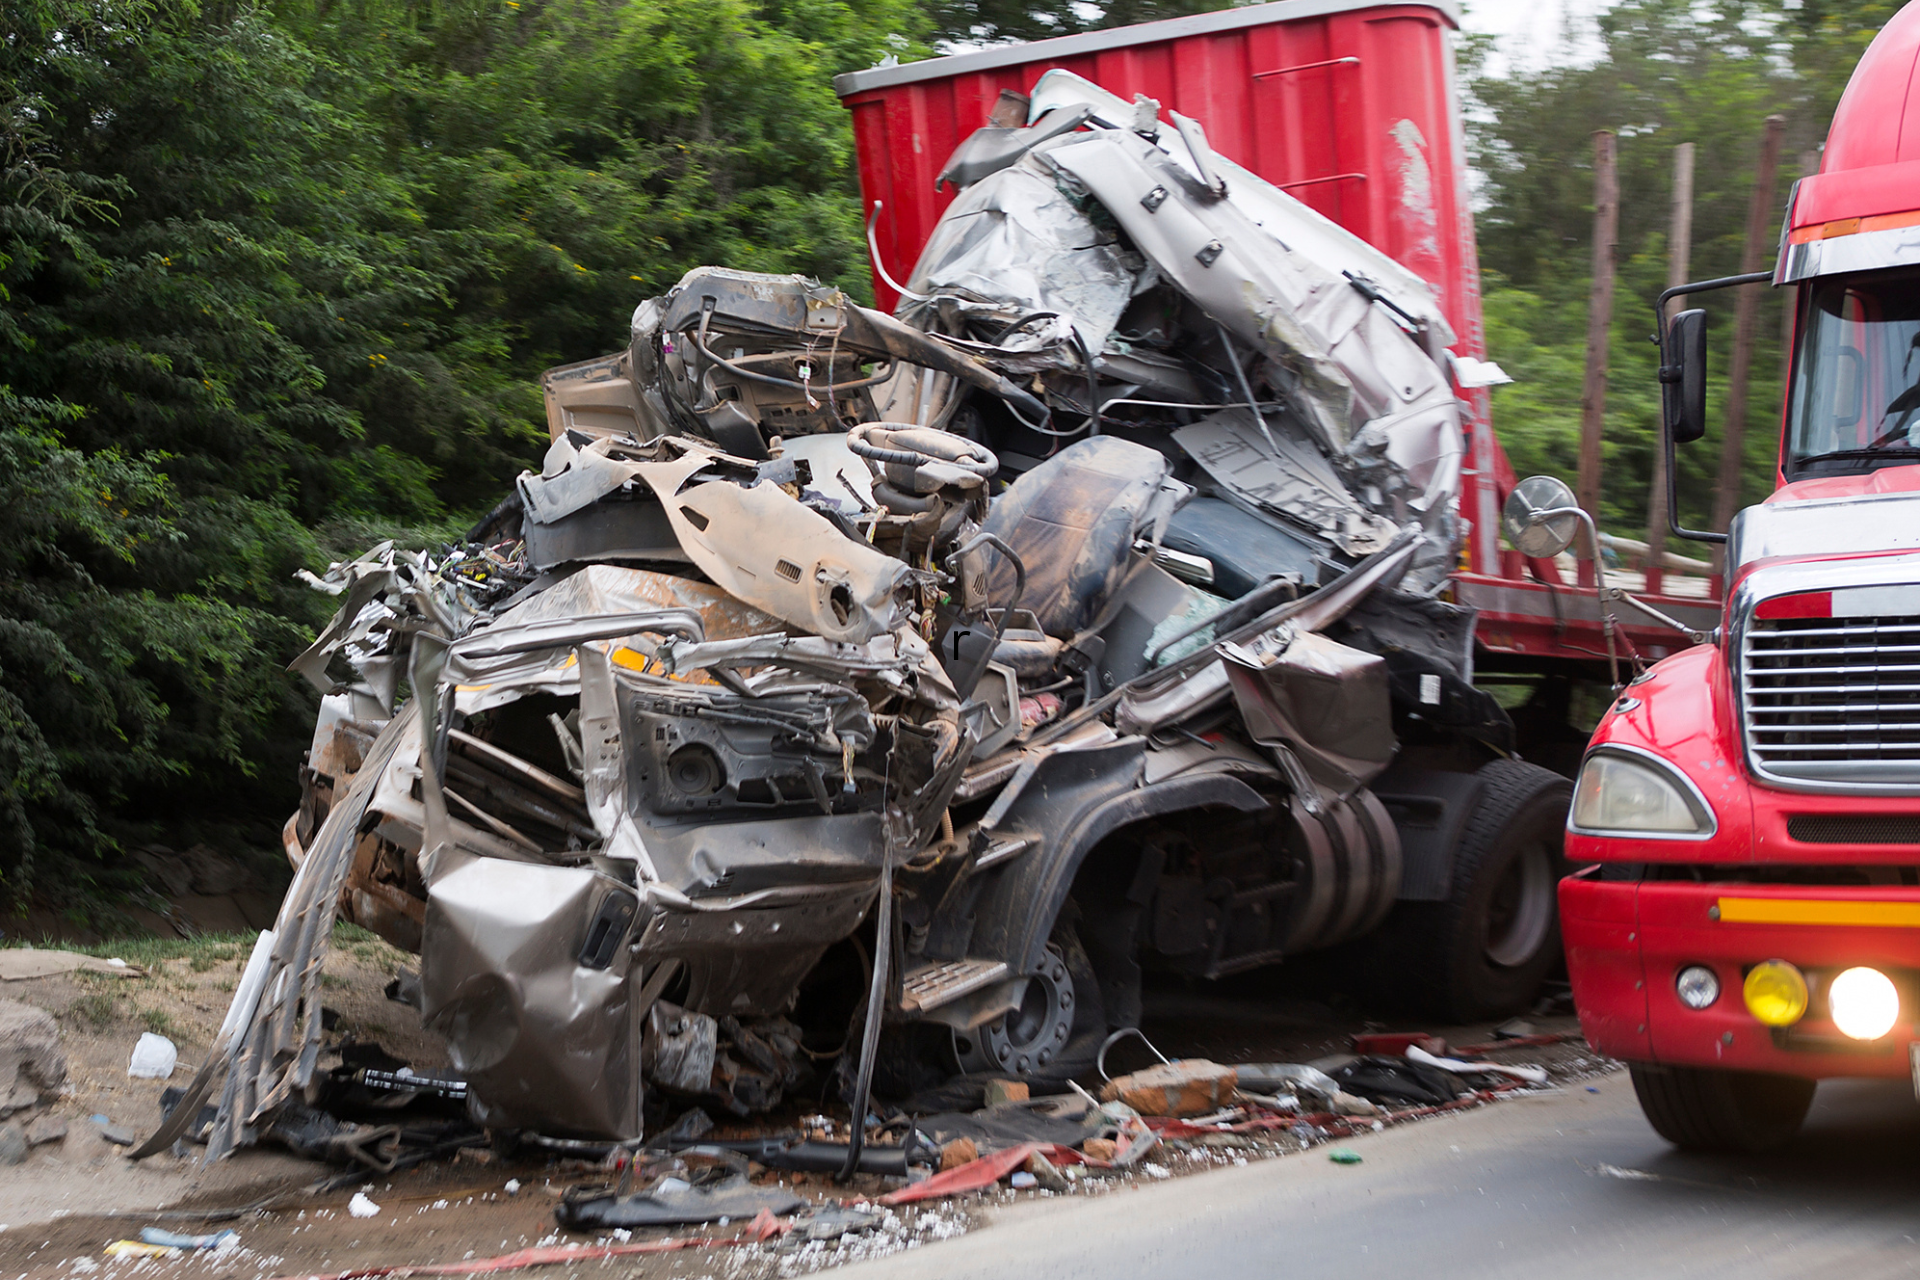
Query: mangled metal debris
x=1044, y=629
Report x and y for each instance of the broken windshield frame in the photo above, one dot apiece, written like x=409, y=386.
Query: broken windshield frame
x=1853, y=401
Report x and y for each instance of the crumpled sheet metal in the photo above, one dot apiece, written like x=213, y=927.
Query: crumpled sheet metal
x=388, y=593
x=544, y=1040
x=756, y=541
x=1325, y=701
x=1279, y=214
x=597, y=591
x=1177, y=698
x=273, y=1044
x=1017, y=237
x=1374, y=398
x=1354, y=364
x=1292, y=478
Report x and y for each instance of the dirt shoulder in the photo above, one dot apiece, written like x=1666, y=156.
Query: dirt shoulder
x=183, y=995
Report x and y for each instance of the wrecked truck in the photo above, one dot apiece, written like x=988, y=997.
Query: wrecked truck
x=849, y=687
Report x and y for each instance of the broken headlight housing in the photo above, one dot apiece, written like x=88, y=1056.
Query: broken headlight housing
x=1628, y=792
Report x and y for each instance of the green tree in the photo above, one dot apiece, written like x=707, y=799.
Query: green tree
x=1670, y=72
x=278, y=281
x=964, y=23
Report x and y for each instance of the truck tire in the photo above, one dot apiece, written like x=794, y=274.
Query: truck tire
x=1484, y=952
x=1703, y=1109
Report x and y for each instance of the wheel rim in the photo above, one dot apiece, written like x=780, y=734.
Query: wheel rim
x=1028, y=1038
x=1520, y=913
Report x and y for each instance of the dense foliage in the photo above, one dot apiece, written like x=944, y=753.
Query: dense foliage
x=276, y=280
x=276, y=277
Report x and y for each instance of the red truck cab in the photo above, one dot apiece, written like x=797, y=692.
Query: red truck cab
x=1748, y=812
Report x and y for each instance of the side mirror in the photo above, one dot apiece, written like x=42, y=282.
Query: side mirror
x=1533, y=533
x=1684, y=377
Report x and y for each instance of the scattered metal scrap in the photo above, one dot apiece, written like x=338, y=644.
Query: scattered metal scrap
x=759, y=671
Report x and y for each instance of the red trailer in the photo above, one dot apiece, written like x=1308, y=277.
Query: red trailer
x=1350, y=107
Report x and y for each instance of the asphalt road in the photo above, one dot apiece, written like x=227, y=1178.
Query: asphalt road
x=1553, y=1188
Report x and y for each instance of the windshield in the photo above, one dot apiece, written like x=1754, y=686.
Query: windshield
x=1855, y=400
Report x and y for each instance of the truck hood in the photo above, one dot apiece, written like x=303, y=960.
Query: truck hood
x=1840, y=516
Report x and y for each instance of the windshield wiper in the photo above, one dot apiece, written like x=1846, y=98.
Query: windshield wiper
x=1851, y=455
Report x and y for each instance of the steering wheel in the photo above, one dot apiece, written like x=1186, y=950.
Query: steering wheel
x=904, y=445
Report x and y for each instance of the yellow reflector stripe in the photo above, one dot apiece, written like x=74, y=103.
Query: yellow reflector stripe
x=1814, y=911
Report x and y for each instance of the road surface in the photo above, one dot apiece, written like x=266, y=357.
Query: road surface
x=1560, y=1187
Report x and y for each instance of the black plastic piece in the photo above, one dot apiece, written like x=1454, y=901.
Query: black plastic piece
x=608, y=930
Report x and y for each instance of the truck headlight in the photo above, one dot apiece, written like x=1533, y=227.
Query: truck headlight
x=1636, y=794
x=1864, y=1003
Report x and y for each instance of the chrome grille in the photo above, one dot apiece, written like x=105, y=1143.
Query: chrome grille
x=1833, y=702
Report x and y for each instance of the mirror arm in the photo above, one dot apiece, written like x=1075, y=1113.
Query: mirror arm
x=1674, y=526
x=1603, y=596
x=1670, y=374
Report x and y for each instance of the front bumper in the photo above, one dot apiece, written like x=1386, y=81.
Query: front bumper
x=1627, y=940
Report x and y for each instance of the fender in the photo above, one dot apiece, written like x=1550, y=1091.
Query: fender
x=1075, y=801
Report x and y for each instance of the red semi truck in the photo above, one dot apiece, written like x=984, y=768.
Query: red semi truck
x=1750, y=807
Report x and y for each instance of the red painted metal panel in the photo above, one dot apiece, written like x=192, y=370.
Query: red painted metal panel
x=1878, y=119
x=1599, y=927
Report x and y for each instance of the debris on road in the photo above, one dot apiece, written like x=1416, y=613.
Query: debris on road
x=1344, y=1155
x=672, y=1201
x=1530, y=1075
x=1190, y=1087
x=181, y=1240
x=361, y=1207
x=153, y=1058
x=45, y=1129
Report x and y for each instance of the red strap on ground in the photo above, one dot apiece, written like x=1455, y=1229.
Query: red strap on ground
x=975, y=1175
x=765, y=1227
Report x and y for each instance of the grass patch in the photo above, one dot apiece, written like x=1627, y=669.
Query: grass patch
x=160, y=1022
x=201, y=953
x=201, y=961
x=368, y=947
x=96, y=1008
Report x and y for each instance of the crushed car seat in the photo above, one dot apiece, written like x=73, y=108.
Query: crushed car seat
x=1072, y=520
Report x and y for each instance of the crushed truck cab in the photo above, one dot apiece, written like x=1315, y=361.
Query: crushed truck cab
x=1750, y=808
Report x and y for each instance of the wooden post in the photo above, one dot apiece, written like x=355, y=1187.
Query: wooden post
x=1679, y=252
x=1761, y=218
x=1593, y=395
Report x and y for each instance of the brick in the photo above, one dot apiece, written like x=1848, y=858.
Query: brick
x=1191, y=1087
